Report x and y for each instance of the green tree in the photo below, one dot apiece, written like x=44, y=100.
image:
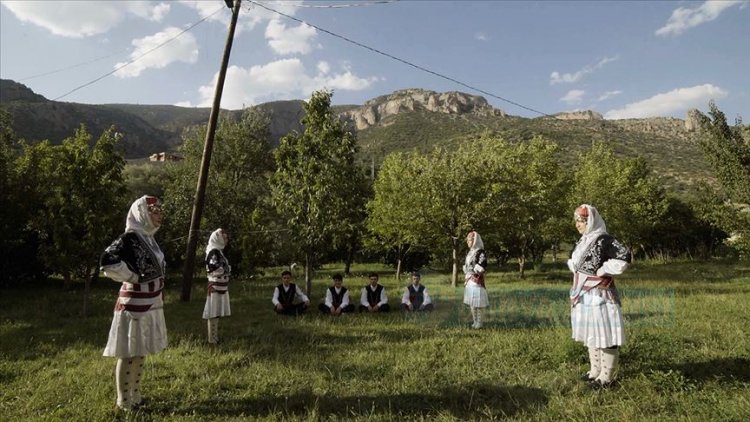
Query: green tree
x=145, y=179
x=312, y=186
x=525, y=205
x=453, y=185
x=237, y=186
x=79, y=192
x=727, y=148
x=17, y=245
x=625, y=191
x=395, y=212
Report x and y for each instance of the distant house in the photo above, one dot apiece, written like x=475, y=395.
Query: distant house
x=164, y=156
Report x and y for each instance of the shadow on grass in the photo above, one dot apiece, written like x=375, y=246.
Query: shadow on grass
x=467, y=402
x=723, y=370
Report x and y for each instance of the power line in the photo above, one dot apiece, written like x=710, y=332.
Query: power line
x=140, y=56
x=62, y=69
x=341, y=6
x=406, y=62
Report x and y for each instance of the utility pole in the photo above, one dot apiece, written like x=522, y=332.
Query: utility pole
x=200, y=192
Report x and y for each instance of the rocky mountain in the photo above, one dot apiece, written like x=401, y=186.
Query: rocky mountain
x=401, y=121
x=579, y=115
x=378, y=109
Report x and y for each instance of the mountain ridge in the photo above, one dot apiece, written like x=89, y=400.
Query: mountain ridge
x=400, y=121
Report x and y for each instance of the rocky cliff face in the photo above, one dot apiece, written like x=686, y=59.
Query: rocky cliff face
x=579, y=115
x=692, y=122
x=377, y=109
x=669, y=127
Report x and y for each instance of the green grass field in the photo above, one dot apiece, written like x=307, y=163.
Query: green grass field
x=687, y=355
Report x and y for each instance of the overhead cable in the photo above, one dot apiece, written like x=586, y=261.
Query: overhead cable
x=140, y=56
x=406, y=62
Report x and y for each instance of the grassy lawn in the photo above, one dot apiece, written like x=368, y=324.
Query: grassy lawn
x=687, y=355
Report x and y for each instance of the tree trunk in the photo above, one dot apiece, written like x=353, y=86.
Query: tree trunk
x=454, y=276
x=398, y=268
x=67, y=281
x=555, y=250
x=308, y=278
x=87, y=288
x=521, y=264
x=349, y=259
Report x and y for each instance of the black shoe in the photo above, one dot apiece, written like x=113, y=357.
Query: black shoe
x=598, y=385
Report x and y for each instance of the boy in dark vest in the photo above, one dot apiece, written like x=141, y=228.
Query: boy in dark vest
x=373, y=297
x=337, y=298
x=416, y=298
x=284, y=295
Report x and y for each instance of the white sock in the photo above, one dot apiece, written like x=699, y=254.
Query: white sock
x=213, y=330
x=136, y=371
x=122, y=383
x=478, y=312
x=595, y=357
x=609, y=365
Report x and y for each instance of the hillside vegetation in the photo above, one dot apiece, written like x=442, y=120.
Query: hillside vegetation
x=401, y=121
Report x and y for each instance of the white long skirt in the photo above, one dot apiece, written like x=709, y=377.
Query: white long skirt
x=130, y=337
x=217, y=306
x=475, y=295
x=597, y=323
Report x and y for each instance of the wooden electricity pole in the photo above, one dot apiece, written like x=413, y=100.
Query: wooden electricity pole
x=200, y=192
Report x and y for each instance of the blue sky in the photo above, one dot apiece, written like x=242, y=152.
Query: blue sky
x=621, y=59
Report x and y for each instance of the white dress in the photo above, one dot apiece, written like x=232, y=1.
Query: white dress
x=475, y=295
x=217, y=300
x=138, y=327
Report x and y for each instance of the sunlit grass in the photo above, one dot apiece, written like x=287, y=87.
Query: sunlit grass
x=687, y=355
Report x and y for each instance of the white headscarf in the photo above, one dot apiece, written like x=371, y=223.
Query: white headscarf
x=138, y=219
x=216, y=241
x=477, y=245
x=595, y=227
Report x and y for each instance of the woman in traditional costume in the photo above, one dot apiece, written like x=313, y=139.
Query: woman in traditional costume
x=218, y=271
x=475, y=294
x=138, y=328
x=596, y=314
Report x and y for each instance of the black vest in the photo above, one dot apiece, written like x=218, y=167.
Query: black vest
x=373, y=298
x=132, y=249
x=216, y=259
x=605, y=247
x=416, y=296
x=287, y=298
x=337, y=298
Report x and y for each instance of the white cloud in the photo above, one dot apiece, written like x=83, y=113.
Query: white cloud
x=479, y=36
x=247, y=20
x=281, y=79
x=609, y=94
x=324, y=67
x=77, y=19
x=147, y=10
x=678, y=100
x=206, y=9
x=181, y=49
x=183, y=104
x=574, y=96
x=683, y=19
x=557, y=78
x=285, y=40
